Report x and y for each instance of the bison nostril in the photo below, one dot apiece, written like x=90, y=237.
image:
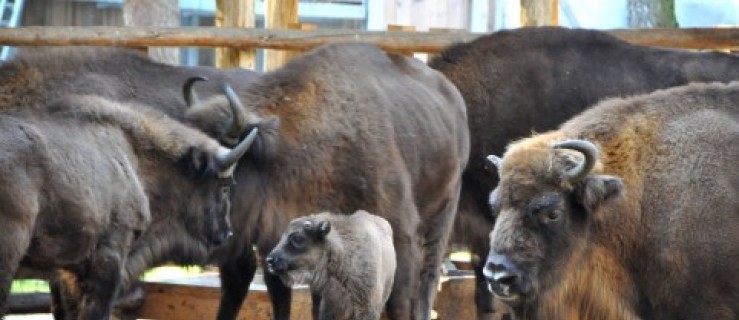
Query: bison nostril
x=505, y=278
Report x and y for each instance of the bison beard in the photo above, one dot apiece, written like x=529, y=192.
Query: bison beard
x=533, y=79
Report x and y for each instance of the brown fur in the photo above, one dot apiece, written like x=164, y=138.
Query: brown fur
x=534, y=79
x=655, y=251
x=351, y=266
x=39, y=75
x=78, y=189
x=348, y=127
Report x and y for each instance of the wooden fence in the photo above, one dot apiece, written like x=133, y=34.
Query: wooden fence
x=301, y=40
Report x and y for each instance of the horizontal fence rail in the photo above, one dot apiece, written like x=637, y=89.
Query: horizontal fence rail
x=401, y=41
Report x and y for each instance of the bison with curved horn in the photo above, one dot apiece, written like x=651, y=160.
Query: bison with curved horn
x=85, y=180
x=533, y=79
x=628, y=211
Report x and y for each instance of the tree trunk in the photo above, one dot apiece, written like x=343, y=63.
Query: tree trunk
x=154, y=13
x=651, y=14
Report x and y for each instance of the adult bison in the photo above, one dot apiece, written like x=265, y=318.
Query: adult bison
x=80, y=182
x=533, y=79
x=37, y=76
x=648, y=229
x=342, y=128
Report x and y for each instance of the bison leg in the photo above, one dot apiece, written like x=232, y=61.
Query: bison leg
x=15, y=237
x=102, y=277
x=483, y=296
x=405, y=286
x=280, y=295
x=237, y=272
x=435, y=243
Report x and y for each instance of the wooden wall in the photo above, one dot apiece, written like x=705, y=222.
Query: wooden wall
x=70, y=13
x=426, y=14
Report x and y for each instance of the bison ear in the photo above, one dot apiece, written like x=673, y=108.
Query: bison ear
x=266, y=146
x=318, y=230
x=596, y=190
x=198, y=164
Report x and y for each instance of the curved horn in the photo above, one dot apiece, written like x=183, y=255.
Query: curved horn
x=495, y=160
x=227, y=160
x=188, y=93
x=588, y=150
x=237, y=111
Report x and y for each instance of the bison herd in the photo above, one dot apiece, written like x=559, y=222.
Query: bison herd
x=615, y=196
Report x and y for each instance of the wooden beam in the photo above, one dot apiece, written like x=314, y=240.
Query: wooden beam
x=240, y=14
x=695, y=38
x=536, y=12
x=398, y=28
x=279, y=14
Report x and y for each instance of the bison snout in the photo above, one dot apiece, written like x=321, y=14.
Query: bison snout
x=275, y=263
x=505, y=280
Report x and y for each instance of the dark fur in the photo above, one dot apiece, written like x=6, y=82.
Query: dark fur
x=651, y=233
x=533, y=79
x=39, y=75
x=345, y=127
x=348, y=260
x=83, y=179
x=348, y=127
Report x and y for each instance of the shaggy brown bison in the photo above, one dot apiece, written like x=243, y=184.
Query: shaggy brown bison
x=628, y=211
x=348, y=260
x=342, y=128
x=533, y=79
x=32, y=79
x=80, y=182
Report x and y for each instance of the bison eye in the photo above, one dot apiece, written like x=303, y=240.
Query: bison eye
x=297, y=241
x=551, y=216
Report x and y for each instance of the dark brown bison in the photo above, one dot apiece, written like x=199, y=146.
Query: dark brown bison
x=40, y=75
x=342, y=128
x=628, y=211
x=80, y=182
x=533, y=79
x=37, y=76
x=348, y=260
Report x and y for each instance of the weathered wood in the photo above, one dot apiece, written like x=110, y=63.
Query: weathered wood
x=159, y=13
x=240, y=14
x=198, y=299
x=537, y=12
x=279, y=14
x=695, y=38
x=397, y=28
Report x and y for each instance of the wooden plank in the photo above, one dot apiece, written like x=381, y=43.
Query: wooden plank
x=279, y=14
x=693, y=38
x=397, y=28
x=537, y=12
x=199, y=300
x=235, y=13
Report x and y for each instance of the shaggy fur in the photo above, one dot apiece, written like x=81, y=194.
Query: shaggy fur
x=651, y=232
x=80, y=186
x=348, y=260
x=342, y=128
x=533, y=79
x=37, y=76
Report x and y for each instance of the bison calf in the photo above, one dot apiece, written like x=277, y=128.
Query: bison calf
x=79, y=183
x=348, y=260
